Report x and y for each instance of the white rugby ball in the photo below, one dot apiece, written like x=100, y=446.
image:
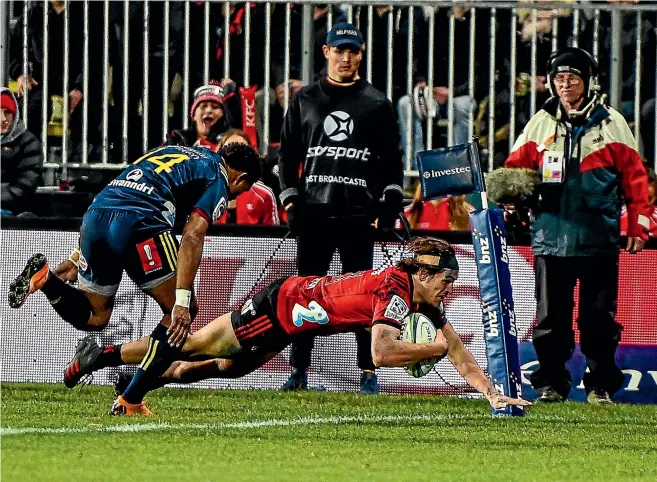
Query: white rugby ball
x=417, y=328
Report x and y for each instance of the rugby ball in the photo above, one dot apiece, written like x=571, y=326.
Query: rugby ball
x=417, y=328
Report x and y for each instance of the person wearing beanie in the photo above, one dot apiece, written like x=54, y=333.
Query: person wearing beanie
x=21, y=158
x=208, y=117
x=588, y=166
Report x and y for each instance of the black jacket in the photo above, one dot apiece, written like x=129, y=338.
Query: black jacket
x=56, y=52
x=345, y=141
x=21, y=161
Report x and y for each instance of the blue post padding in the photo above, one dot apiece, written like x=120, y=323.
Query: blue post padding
x=475, y=163
x=446, y=171
x=489, y=240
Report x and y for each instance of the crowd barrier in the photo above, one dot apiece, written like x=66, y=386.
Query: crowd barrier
x=184, y=32
x=37, y=344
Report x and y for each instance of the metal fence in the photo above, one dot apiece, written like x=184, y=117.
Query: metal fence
x=412, y=39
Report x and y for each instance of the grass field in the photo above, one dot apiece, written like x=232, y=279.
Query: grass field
x=49, y=433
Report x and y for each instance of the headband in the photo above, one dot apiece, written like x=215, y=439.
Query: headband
x=447, y=261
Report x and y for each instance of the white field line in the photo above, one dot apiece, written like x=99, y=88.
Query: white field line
x=255, y=424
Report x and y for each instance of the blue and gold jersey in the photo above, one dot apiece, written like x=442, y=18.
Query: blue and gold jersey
x=167, y=184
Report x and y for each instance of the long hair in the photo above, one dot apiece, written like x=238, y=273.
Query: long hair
x=459, y=217
x=425, y=245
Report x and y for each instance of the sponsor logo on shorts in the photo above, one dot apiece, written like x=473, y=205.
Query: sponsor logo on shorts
x=148, y=255
x=248, y=306
x=330, y=179
x=82, y=263
x=397, y=309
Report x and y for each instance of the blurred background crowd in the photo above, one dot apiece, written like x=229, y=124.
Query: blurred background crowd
x=208, y=76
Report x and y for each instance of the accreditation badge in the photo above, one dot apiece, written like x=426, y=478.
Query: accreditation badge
x=553, y=167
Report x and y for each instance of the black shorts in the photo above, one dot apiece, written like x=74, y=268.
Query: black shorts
x=256, y=326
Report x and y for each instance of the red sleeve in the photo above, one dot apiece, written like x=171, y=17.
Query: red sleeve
x=268, y=207
x=392, y=302
x=223, y=219
x=634, y=182
x=524, y=155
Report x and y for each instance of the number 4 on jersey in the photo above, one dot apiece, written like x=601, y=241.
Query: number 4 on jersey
x=314, y=314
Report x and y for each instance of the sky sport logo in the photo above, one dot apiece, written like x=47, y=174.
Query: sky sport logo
x=446, y=172
x=338, y=125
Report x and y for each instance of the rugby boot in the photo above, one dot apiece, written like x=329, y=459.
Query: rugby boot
x=32, y=279
x=369, y=383
x=599, y=397
x=86, y=355
x=550, y=396
x=298, y=381
x=121, y=407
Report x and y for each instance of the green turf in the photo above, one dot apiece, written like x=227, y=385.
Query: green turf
x=368, y=438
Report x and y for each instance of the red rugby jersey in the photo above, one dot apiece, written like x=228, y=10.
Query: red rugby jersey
x=255, y=206
x=354, y=301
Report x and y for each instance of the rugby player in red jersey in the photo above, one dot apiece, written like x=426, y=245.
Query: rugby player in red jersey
x=242, y=341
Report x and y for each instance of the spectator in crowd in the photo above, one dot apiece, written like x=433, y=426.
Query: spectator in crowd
x=648, y=130
x=276, y=111
x=378, y=50
x=575, y=227
x=21, y=158
x=235, y=40
x=652, y=200
x=450, y=213
x=648, y=89
x=432, y=106
x=238, y=97
x=31, y=82
x=158, y=95
x=255, y=206
x=210, y=116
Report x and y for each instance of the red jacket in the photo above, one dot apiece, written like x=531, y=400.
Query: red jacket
x=652, y=218
x=255, y=206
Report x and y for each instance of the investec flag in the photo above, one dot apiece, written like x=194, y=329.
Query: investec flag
x=445, y=171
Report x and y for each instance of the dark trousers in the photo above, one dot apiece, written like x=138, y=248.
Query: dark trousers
x=553, y=336
x=354, y=240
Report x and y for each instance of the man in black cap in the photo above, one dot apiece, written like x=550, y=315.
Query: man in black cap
x=340, y=172
x=587, y=159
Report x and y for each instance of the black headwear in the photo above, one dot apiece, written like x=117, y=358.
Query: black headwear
x=576, y=61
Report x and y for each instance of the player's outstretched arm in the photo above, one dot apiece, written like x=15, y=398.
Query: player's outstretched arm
x=189, y=259
x=469, y=369
x=389, y=351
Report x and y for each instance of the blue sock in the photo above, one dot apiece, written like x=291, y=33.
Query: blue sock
x=159, y=357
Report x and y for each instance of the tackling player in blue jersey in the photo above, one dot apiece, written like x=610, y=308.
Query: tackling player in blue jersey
x=129, y=227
